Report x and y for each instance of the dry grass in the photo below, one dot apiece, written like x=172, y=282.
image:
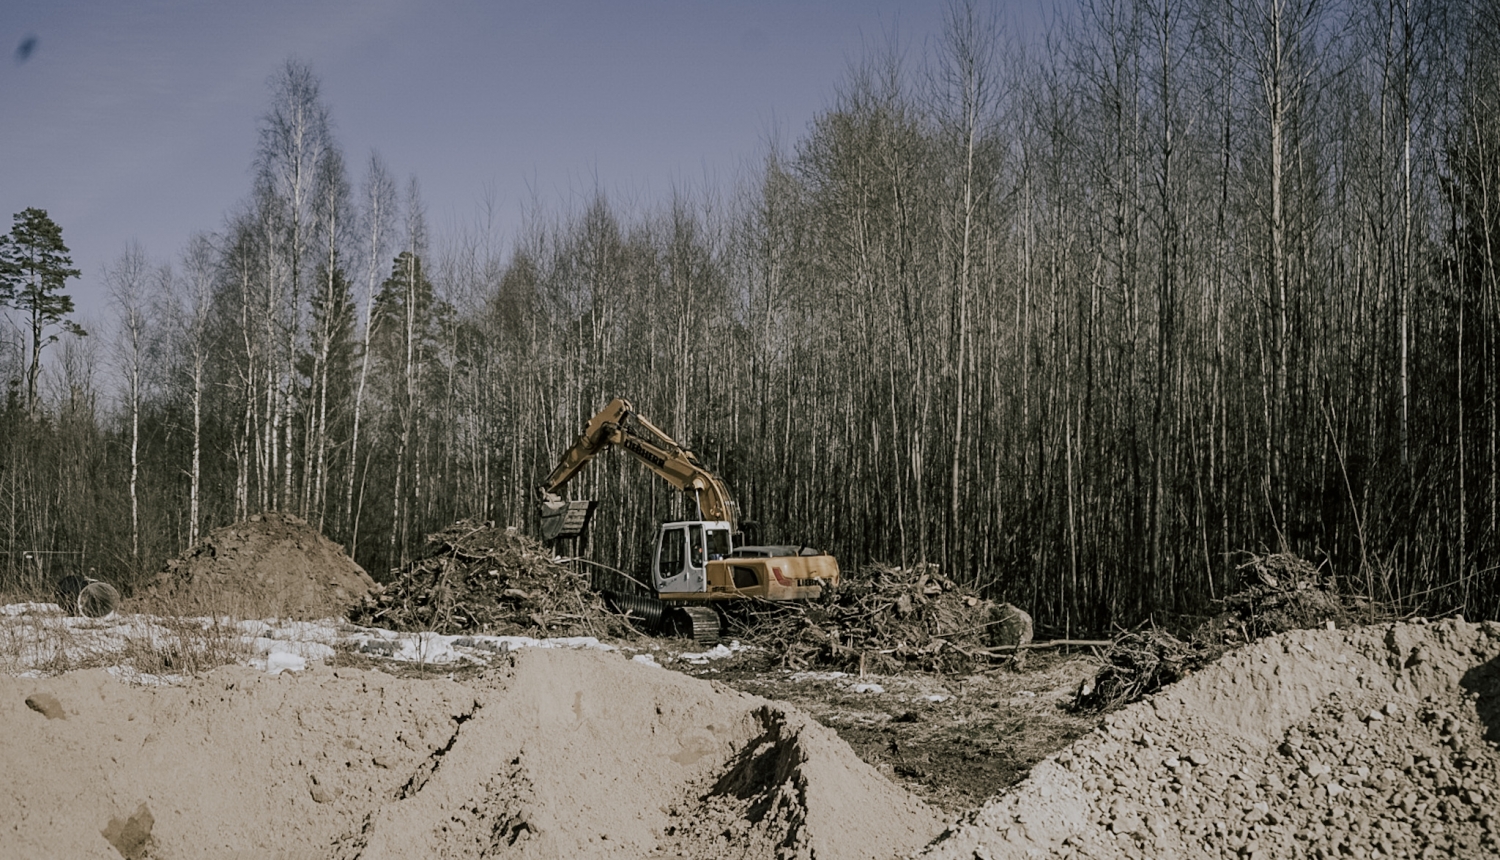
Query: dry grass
x=173, y=645
x=39, y=640
x=145, y=640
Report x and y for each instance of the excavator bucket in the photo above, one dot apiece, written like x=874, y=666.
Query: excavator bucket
x=565, y=518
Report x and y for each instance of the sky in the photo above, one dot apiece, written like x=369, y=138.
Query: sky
x=136, y=120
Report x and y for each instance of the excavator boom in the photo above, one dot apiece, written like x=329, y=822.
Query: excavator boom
x=617, y=424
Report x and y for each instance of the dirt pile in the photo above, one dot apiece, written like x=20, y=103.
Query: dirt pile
x=476, y=577
x=1309, y=743
x=559, y=754
x=882, y=619
x=270, y=565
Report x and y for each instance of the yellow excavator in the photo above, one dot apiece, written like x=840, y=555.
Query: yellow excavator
x=700, y=567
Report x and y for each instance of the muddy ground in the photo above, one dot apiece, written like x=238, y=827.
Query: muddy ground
x=953, y=740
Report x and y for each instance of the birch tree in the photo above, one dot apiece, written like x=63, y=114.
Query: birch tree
x=195, y=290
x=296, y=138
x=377, y=217
x=128, y=279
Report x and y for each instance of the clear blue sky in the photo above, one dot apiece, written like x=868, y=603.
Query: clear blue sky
x=137, y=121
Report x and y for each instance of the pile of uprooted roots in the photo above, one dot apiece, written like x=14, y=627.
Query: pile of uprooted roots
x=475, y=577
x=1137, y=664
x=880, y=619
x=1280, y=592
x=1277, y=592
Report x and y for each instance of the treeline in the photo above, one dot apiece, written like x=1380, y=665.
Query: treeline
x=1082, y=321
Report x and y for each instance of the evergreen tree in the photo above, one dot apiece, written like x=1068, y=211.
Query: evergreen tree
x=407, y=344
x=34, y=267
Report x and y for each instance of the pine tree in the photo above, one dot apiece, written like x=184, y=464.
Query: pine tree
x=34, y=267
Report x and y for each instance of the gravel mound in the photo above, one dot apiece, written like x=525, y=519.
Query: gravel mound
x=1377, y=742
x=270, y=565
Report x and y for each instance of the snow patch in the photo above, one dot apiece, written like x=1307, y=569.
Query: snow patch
x=37, y=635
x=718, y=652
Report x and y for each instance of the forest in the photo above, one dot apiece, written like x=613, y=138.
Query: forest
x=1085, y=322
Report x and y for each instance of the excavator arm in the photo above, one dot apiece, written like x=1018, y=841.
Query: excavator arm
x=617, y=424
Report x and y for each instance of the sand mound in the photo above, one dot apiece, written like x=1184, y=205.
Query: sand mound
x=271, y=565
x=1326, y=743
x=561, y=754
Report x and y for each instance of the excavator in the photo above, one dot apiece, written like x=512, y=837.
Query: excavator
x=701, y=567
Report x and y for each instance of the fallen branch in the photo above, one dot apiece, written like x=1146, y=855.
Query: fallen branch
x=1055, y=643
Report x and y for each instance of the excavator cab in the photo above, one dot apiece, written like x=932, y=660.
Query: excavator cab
x=683, y=550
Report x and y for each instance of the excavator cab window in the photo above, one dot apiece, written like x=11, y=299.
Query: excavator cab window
x=718, y=544
x=695, y=545
x=669, y=557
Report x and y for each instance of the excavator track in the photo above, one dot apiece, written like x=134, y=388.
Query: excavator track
x=699, y=623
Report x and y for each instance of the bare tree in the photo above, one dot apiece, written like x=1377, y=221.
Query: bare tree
x=296, y=137
x=415, y=302
x=333, y=318
x=966, y=98
x=129, y=281
x=377, y=229
x=200, y=267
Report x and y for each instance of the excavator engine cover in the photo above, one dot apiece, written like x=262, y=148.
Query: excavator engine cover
x=565, y=519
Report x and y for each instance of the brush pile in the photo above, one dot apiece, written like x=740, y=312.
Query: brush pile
x=1279, y=592
x=475, y=577
x=1137, y=664
x=881, y=619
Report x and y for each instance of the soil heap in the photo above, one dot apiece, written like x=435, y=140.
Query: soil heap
x=270, y=565
x=1322, y=743
x=476, y=577
x=558, y=753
